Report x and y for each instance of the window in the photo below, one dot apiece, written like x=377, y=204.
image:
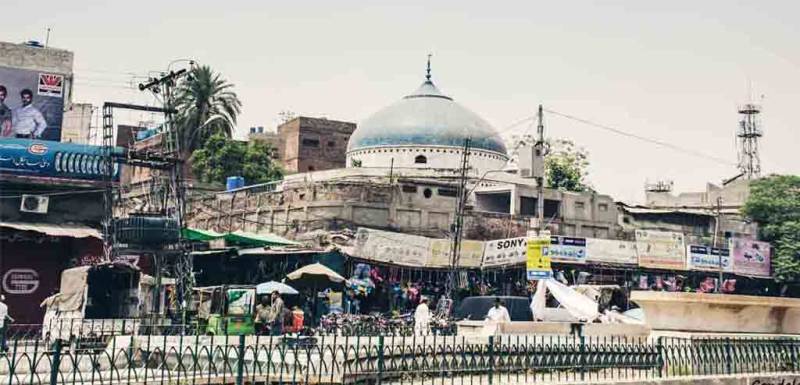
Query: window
x=310, y=168
x=331, y=143
x=310, y=142
x=409, y=189
x=421, y=159
x=427, y=193
x=603, y=206
x=579, y=205
x=447, y=192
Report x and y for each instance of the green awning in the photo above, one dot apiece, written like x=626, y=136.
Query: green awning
x=200, y=235
x=256, y=240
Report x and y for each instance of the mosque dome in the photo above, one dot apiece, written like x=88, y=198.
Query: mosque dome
x=426, y=117
x=426, y=130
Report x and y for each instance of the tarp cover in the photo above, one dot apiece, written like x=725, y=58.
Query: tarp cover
x=55, y=230
x=73, y=288
x=578, y=305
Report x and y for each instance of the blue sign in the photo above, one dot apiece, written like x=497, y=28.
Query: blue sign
x=53, y=159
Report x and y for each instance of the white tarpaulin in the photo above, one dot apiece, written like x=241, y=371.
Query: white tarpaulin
x=576, y=304
x=55, y=230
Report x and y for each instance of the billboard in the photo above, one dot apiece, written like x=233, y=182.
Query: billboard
x=611, y=251
x=441, y=253
x=567, y=249
x=538, y=259
x=58, y=160
x=391, y=247
x=751, y=257
x=708, y=258
x=504, y=252
x=661, y=249
x=31, y=104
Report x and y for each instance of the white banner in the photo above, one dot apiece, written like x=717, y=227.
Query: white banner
x=441, y=253
x=390, y=247
x=611, y=251
x=504, y=252
x=661, y=249
x=707, y=258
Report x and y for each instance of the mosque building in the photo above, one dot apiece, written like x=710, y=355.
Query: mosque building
x=426, y=129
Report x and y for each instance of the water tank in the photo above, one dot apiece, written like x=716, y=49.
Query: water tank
x=234, y=182
x=147, y=230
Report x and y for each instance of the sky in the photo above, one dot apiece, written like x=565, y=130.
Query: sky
x=671, y=71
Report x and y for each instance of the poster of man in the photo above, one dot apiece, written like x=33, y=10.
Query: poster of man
x=31, y=104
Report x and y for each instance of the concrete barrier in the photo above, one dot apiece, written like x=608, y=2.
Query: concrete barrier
x=719, y=313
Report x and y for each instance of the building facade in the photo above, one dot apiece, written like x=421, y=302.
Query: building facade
x=313, y=144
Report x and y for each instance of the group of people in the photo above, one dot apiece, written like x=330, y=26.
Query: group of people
x=25, y=121
x=273, y=317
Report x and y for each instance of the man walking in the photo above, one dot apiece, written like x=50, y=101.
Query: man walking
x=5, y=114
x=422, y=318
x=3, y=317
x=27, y=120
x=497, y=314
x=276, y=314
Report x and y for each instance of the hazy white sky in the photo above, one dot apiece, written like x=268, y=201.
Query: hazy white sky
x=673, y=71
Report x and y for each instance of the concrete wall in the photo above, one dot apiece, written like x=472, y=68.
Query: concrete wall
x=77, y=123
x=721, y=313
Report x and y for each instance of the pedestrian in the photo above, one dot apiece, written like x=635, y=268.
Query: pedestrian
x=276, y=314
x=3, y=317
x=422, y=318
x=262, y=315
x=496, y=315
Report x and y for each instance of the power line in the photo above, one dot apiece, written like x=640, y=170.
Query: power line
x=642, y=138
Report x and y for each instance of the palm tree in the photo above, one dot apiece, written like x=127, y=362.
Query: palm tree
x=206, y=105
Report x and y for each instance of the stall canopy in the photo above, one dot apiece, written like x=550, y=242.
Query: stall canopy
x=241, y=238
x=55, y=230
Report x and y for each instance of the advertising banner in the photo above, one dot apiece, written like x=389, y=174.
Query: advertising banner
x=707, y=258
x=505, y=252
x=661, y=250
x=31, y=104
x=567, y=249
x=441, y=253
x=538, y=259
x=751, y=257
x=390, y=247
x=611, y=251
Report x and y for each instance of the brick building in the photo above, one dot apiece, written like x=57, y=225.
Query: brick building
x=313, y=144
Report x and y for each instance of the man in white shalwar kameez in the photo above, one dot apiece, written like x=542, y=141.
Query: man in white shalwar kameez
x=422, y=318
x=496, y=315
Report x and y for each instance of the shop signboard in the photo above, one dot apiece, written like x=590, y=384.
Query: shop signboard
x=707, y=258
x=390, y=247
x=611, y=251
x=567, y=249
x=505, y=252
x=661, y=249
x=751, y=258
x=538, y=259
x=441, y=253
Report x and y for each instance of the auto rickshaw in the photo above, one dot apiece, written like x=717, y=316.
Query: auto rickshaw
x=225, y=309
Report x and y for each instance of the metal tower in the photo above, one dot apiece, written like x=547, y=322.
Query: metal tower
x=748, y=134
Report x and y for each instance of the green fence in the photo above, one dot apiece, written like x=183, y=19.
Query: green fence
x=387, y=359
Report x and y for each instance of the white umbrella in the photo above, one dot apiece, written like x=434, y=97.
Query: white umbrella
x=314, y=275
x=272, y=286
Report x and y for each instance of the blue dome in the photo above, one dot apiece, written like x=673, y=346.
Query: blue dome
x=426, y=118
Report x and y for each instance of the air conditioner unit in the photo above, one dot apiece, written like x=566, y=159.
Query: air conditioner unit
x=34, y=204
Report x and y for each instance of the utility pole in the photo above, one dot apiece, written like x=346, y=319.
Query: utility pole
x=716, y=235
x=540, y=150
x=458, y=220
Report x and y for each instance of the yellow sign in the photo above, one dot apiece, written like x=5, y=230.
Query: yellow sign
x=538, y=258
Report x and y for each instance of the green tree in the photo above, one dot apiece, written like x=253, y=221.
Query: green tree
x=774, y=203
x=221, y=157
x=566, y=166
x=206, y=105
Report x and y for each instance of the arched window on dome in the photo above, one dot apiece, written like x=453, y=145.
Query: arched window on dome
x=420, y=159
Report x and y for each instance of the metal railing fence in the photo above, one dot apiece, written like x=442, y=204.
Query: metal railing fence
x=195, y=359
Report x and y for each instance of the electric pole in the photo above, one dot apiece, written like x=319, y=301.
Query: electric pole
x=458, y=220
x=716, y=235
x=540, y=150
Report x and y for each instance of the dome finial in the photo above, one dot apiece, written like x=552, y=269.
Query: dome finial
x=428, y=75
